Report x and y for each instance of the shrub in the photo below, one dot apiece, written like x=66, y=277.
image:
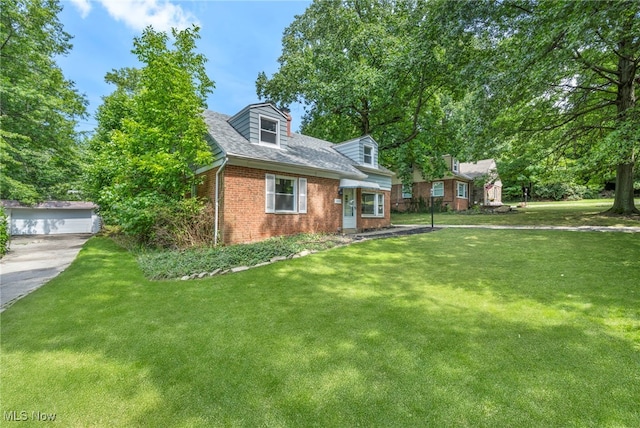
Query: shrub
x=4, y=232
x=189, y=223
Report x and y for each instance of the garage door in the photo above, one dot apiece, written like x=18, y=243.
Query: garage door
x=34, y=221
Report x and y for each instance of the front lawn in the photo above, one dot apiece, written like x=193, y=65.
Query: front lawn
x=571, y=213
x=450, y=328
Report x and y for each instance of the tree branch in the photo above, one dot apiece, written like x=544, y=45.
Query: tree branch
x=599, y=70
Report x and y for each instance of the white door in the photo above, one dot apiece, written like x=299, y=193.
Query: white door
x=349, y=207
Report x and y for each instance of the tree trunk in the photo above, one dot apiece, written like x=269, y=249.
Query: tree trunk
x=623, y=202
x=626, y=101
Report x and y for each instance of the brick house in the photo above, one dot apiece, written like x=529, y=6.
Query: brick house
x=268, y=181
x=463, y=185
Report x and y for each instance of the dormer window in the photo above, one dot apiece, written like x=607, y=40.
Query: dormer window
x=368, y=155
x=268, y=131
x=455, y=165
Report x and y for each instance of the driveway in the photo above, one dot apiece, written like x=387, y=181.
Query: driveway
x=33, y=260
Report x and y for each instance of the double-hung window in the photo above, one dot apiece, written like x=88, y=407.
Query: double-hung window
x=462, y=191
x=285, y=194
x=268, y=131
x=372, y=204
x=437, y=188
x=368, y=155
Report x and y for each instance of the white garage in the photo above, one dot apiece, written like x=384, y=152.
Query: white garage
x=52, y=218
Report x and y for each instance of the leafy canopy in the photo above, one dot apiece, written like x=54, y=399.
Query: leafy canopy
x=151, y=133
x=369, y=67
x=40, y=157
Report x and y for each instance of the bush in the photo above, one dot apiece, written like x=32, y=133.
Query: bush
x=189, y=223
x=175, y=264
x=4, y=233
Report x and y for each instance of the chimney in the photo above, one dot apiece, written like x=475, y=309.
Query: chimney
x=287, y=113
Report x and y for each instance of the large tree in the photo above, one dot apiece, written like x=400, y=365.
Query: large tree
x=151, y=133
x=39, y=150
x=369, y=67
x=558, y=81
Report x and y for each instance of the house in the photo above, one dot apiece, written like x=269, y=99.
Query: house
x=268, y=181
x=51, y=217
x=463, y=185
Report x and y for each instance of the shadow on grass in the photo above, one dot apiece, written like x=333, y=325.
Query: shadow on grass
x=436, y=330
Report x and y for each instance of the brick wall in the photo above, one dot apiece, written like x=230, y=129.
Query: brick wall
x=244, y=214
x=423, y=189
x=366, y=223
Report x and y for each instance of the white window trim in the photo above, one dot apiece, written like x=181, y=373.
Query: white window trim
x=378, y=205
x=266, y=143
x=434, y=190
x=455, y=165
x=370, y=147
x=466, y=190
x=299, y=194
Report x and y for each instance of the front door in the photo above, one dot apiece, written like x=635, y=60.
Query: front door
x=348, y=209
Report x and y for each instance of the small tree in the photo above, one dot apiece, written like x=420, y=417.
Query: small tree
x=155, y=132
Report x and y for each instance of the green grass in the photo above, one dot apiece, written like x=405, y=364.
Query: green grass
x=574, y=213
x=452, y=328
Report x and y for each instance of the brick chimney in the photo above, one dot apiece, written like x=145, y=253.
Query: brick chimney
x=287, y=113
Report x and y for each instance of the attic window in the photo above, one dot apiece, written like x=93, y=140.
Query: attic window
x=456, y=165
x=368, y=155
x=268, y=131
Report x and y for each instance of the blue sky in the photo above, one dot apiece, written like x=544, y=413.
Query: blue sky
x=239, y=39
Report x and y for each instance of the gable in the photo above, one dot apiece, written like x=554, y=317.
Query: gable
x=362, y=150
x=262, y=124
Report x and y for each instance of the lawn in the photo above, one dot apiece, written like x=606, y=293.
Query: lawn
x=572, y=213
x=449, y=328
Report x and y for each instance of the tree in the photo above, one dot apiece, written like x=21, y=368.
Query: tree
x=40, y=156
x=370, y=67
x=558, y=80
x=151, y=133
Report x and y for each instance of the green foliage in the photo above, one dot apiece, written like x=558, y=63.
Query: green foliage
x=372, y=68
x=40, y=153
x=151, y=135
x=173, y=264
x=4, y=232
x=558, y=99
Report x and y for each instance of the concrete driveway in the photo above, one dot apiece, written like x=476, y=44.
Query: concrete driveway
x=33, y=260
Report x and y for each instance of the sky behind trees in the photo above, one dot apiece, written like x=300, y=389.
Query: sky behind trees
x=239, y=39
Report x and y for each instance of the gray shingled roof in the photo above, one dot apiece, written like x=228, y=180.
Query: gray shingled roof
x=302, y=150
x=476, y=169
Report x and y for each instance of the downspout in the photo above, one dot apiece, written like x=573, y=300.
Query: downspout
x=215, y=227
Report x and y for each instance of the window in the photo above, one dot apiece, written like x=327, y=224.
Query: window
x=437, y=188
x=285, y=194
x=407, y=191
x=268, y=130
x=368, y=155
x=373, y=204
x=455, y=165
x=462, y=190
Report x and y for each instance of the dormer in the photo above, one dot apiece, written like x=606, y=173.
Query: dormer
x=453, y=165
x=362, y=150
x=263, y=124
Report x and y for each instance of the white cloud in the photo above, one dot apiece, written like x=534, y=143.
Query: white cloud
x=83, y=6
x=138, y=14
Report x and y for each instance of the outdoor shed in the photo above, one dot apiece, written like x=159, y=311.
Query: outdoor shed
x=51, y=217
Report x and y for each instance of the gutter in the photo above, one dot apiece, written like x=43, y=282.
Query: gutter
x=217, y=197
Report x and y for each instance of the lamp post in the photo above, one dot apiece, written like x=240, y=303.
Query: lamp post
x=431, y=209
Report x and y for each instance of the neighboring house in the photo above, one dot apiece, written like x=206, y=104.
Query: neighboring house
x=464, y=185
x=267, y=181
x=51, y=218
